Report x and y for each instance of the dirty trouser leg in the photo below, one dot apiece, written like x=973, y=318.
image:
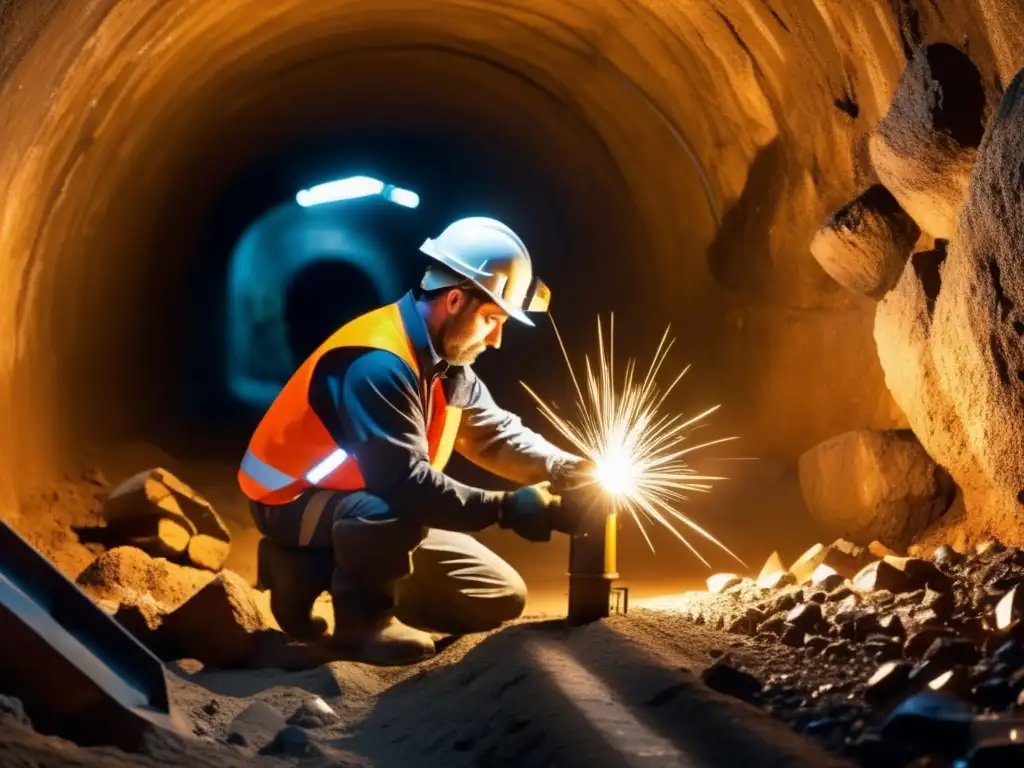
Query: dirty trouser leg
x=451, y=584
x=372, y=557
x=294, y=572
x=459, y=586
x=446, y=582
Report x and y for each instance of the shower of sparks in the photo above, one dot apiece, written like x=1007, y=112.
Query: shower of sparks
x=638, y=452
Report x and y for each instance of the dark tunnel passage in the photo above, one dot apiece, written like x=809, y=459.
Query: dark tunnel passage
x=669, y=162
x=322, y=297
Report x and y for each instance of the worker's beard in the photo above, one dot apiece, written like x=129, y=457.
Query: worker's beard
x=457, y=345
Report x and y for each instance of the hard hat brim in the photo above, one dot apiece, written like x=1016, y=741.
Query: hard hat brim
x=430, y=282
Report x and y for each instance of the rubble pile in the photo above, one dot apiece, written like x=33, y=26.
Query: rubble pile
x=882, y=658
x=158, y=513
x=182, y=612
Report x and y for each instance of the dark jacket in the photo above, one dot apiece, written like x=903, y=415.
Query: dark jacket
x=374, y=406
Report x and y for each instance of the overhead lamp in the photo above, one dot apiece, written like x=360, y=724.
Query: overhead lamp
x=355, y=187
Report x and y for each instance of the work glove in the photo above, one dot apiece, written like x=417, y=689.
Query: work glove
x=531, y=512
x=569, y=473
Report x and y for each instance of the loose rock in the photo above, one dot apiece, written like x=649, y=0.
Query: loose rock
x=158, y=513
x=314, y=713
x=13, y=708
x=864, y=245
x=291, y=741
x=720, y=582
x=888, y=682
x=882, y=576
x=726, y=679
x=921, y=641
x=219, y=626
x=256, y=726
x=127, y=574
x=871, y=485
x=143, y=512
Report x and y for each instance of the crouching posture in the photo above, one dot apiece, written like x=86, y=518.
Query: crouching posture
x=345, y=472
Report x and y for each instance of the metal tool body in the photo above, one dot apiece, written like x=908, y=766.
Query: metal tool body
x=78, y=672
x=592, y=562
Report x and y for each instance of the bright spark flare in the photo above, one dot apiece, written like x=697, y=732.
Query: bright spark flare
x=637, y=450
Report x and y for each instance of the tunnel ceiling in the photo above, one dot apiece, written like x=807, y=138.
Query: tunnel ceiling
x=675, y=156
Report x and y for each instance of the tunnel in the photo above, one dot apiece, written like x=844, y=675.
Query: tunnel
x=689, y=165
x=665, y=162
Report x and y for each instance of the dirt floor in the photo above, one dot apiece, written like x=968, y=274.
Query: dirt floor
x=518, y=696
x=754, y=676
x=508, y=698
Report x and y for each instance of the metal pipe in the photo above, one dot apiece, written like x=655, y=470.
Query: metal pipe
x=592, y=568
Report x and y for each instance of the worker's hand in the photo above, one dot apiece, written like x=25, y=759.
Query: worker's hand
x=570, y=473
x=531, y=511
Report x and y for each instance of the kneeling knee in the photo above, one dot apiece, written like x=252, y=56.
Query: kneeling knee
x=515, y=603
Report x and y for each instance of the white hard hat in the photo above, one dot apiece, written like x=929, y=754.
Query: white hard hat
x=491, y=256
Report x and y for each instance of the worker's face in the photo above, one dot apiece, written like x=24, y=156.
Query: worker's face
x=470, y=327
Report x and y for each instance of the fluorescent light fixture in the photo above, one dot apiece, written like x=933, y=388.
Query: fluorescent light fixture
x=345, y=189
x=353, y=188
x=403, y=197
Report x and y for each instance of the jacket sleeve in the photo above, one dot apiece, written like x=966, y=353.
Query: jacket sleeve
x=379, y=404
x=497, y=440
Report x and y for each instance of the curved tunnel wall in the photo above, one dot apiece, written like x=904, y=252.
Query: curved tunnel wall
x=669, y=160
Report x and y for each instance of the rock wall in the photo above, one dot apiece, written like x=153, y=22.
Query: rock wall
x=667, y=160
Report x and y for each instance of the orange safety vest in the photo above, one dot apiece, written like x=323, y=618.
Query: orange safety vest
x=291, y=449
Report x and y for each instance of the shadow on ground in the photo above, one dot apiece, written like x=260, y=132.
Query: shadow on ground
x=512, y=700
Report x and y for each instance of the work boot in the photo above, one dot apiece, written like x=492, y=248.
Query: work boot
x=295, y=578
x=366, y=628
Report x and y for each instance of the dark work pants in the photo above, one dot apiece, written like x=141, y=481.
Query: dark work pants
x=452, y=584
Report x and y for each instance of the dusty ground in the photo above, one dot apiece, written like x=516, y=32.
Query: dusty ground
x=463, y=708
x=690, y=680
x=508, y=698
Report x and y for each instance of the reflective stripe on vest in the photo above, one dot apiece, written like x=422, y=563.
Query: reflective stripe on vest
x=263, y=473
x=291, y=450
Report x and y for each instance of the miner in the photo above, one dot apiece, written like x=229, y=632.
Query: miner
x=345, y=472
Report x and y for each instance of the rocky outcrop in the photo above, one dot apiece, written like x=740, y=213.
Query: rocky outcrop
x=875, y=486
x=865, y=243
x=924, y=147
x=977, y=336
x=903, y=330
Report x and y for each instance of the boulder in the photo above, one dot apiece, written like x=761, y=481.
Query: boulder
x=903, y=328
x=979, y=314
x=211, y=543
x=220, y=626
x=925, y=145
x=142, y=512
x=870, y=485
x=864, y=245
x=156, y=512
